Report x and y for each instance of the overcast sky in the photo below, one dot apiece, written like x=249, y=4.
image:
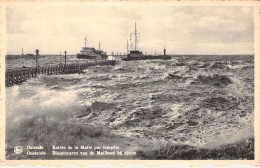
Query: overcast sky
x=183, y=30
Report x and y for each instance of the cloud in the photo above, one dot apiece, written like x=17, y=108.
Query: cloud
x=55, y=28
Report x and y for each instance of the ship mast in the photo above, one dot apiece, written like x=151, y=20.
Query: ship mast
x=99, y=46
x=126, y=46
x=135, y=36
x=22, y=57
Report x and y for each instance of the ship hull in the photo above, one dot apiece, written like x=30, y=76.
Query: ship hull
x=146, y=57
x=80, y=56
x=104, y=56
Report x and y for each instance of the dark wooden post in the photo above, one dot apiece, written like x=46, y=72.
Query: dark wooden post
x=7, y=79
x=32, y=72
x=36, y=60
x=13, y=77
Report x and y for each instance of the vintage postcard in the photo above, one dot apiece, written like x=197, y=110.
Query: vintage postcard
x=130, y=82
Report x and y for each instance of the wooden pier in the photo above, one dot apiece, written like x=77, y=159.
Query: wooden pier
x=16, y=76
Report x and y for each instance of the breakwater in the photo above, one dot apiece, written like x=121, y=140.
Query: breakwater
x=19, y=75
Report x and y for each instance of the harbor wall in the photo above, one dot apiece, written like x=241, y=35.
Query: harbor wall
x=17, y=76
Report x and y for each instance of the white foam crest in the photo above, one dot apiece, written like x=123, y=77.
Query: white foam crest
x=107, y=97
x=43, y=100
x=54, y=99
x=13, y=92
x=236, y=66
x=153, y=66
x=89, y=102
x=161, y=67
x=20, y=103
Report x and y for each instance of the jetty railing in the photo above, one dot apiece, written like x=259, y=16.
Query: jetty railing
x=16, y=76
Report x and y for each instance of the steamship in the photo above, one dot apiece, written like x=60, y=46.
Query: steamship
x=91, y=53
x=138, y=55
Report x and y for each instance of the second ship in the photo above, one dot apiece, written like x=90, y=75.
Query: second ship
x=91, y=53
x=138, y=55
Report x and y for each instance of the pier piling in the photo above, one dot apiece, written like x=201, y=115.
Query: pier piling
x=17, y=76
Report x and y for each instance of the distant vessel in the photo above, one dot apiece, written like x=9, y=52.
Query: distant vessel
x=138, y=55
x=12, y=56
x=91, y=53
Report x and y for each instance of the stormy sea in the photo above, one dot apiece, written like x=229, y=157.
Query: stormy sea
x=187, y=108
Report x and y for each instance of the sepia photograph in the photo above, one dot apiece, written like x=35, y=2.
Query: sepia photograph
x=129, y=81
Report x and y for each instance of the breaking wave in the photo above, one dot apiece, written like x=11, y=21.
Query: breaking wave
x=191, y=101
x=214, y=79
